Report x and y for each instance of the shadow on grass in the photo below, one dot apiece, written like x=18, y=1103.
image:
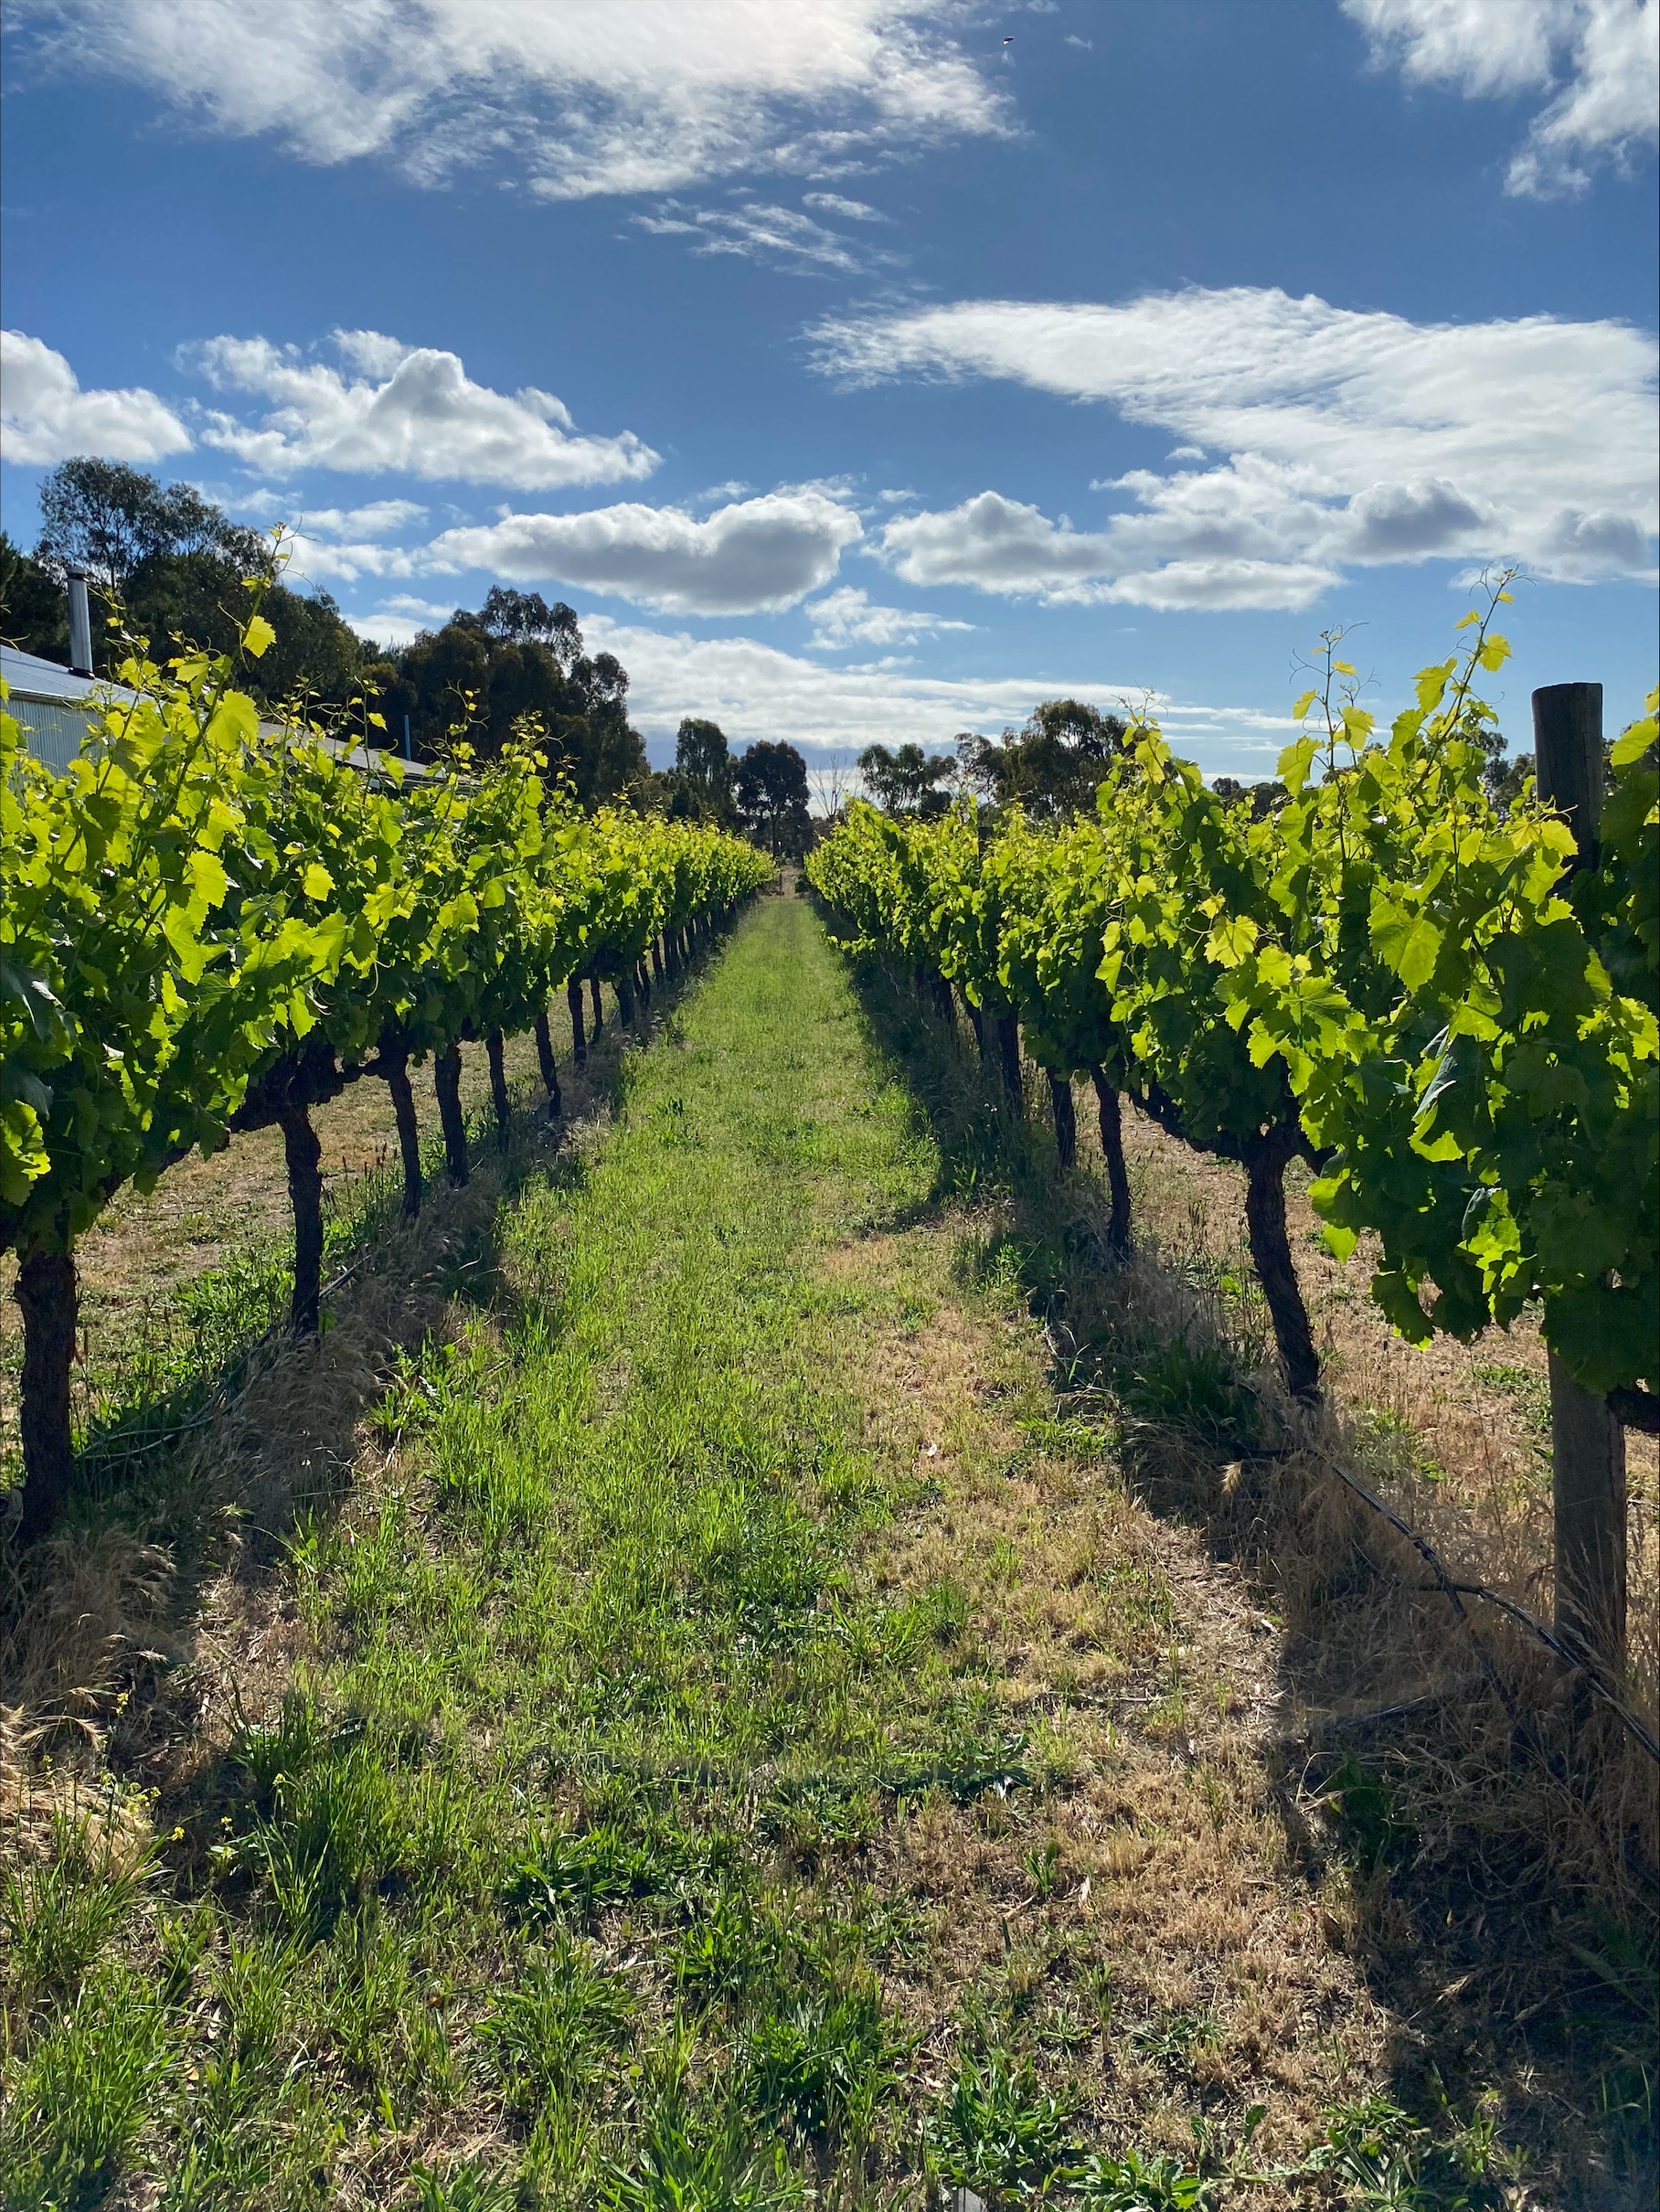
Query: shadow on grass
x=1507, y=1923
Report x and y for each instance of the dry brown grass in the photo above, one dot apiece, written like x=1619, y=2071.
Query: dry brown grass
x=1157, y=1894
x=1515, y=1885
x=1464, y=1462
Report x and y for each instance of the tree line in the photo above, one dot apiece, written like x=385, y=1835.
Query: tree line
x=168, y=565
x=1052, y=767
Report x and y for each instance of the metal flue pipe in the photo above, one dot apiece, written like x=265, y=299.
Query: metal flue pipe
x=80, y=625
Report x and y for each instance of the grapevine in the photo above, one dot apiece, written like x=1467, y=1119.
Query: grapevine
x=213, y=924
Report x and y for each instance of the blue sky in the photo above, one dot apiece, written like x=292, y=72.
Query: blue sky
x=855, y=373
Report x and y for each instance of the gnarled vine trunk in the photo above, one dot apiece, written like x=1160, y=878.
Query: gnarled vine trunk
x=573, y=999
x=45, y=1292
x=446, y=1083
x=304, y=1154
x=598, y=1011
x=1112, y=1148
x=551, y=1073
x=657, y=962
x=1265, y=1163
x=494, y=1050
x=395, y=1068
x=1008, y=1054
x=1066, y=1120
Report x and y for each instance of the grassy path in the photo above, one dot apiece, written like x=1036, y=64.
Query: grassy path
x=744, y=1748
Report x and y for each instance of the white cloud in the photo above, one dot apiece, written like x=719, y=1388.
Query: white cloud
x=590, y=96
x=846, y=617
x=760, y=232
x=409, y=408
x=1003, y=545
x=754, y=555
x=1351, y=437
x=851, y=210
x=379, y=518
x=402, y=617
x=45, y=417
x=1086, y=45
x=1607, y=50
x=754, y=690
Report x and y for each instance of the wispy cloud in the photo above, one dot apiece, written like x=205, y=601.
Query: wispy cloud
x=1350, y=439
x=1600, y=59
x=851, y=210
x=759, y=231
x=627, y=96
x=846, y=617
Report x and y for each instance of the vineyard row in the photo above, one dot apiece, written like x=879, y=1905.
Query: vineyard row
x=1448, y=1012
x=213, y=925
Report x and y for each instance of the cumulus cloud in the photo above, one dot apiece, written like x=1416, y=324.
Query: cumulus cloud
x=846, y=617
x=760, y=232
x=1003, y=545
x=592, y=96
x=1600, y=58
x=402, y=617
x=46, y=417
x=379, y=518
x=1350, y=439
x=410, y=407
x=754, y=555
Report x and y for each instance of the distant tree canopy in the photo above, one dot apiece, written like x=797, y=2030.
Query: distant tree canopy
x=907, y=781
x=114, y=520
x=1052, y=767
x=771, y=790
x=175, y=566
x=517, y=656
x=700, y=787
x=34, y=610
x=1263, y=797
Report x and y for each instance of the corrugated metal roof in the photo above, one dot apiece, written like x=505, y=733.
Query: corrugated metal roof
x=49, y=705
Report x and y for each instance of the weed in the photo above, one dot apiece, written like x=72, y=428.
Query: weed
x=555, y=2026
x=1177, y=2037
x=1375, y=1830
x=1390, y=2163
x=723, y=1953
x=468, y=2187
x=58, y=1913
x=557, y=1872
x=84, y=2092
x=820, y=2062
x=1042, y=1864
x=996, y=2130
x=1196, y=1389
x=1140, y=2181
x=697, y=2157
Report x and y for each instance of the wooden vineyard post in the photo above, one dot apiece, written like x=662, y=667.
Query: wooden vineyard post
x=1587, y=1443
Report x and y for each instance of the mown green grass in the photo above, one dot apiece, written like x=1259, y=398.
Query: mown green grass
x=552, y=1850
